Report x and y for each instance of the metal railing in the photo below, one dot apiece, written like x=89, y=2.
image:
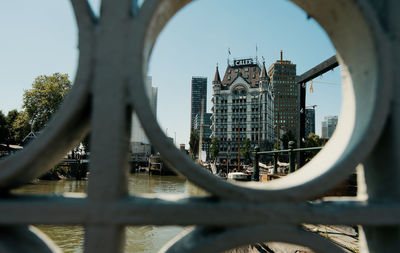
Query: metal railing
x=115, y=48
x=275, y=154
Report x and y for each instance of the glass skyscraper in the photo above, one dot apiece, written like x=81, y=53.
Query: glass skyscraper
x=310, y=121
x=328, y=126
x=199, y=94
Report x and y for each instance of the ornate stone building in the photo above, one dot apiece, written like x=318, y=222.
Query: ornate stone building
x=243, y=108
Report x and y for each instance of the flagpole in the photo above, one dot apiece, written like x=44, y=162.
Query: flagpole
x=229, y=53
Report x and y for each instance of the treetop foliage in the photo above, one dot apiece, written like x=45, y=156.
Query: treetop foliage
x=44, y=98
x=214, y=148
x=246, y=150
x=194, y=142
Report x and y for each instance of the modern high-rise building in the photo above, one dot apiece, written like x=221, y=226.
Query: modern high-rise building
x=243, y=107
x=140, y=144
x=198, y=96
x=206, y=124
x=310, y=121
x=286, y=103
x=328, y=126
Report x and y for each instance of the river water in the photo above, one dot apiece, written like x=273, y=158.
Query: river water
x=138, y=239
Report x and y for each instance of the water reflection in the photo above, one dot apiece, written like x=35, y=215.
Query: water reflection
x=149, y=238
x=138, y=239
x=54, y=187
x=68, y=238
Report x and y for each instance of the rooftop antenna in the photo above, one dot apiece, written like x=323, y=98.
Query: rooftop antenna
x=256, y=54
x=281, y=55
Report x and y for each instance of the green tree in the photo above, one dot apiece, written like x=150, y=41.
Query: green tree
x=44, y=98
x=245, y=150
x=11, y=117
x=194, y=143
x=3, y=128
x=214, y=148
x=312, y=140
x=21, y=127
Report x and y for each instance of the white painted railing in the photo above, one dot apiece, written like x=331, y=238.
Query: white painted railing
x=366, y=35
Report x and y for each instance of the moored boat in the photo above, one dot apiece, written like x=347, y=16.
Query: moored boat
x=238, y=176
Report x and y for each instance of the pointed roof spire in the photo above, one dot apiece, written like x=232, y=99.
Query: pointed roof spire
x=217, y=79
x=263, y=74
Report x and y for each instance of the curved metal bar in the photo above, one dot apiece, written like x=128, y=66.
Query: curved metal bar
x=84, y=15
x=69, y=125
x=206, y=239
x=21, y=239
x=366, y=90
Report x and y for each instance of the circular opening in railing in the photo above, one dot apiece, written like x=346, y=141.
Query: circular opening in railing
x=234, y=92
x=200, y=59
x=238, y=87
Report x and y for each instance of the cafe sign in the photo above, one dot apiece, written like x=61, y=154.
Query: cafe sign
x=243, y=62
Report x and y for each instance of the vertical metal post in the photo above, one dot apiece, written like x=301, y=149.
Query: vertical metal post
x=302, y=119
x=276, y=156
x=291, y=157
x=383, y=187
x=256, y=169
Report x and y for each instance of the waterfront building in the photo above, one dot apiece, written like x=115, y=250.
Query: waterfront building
x=286, y=103
x=140, y=144
x=243, y=107
x=328, y=126
x=198, y=98
x=310, y=121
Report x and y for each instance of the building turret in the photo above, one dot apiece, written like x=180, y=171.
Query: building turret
x=264, y=78
x=263, y=75
x=216, y=82
x=217, y=79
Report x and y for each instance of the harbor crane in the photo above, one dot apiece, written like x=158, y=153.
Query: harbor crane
x=311, y=90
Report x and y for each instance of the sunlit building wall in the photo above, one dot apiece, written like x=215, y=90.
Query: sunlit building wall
x=242, y=108
x=328, y=126
x=139, y=142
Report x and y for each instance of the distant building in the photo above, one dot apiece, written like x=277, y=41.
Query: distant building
x=310, y=121
x=206, y=125
x=182, y=147
x=198, y=96
x=242, y=108
x=328, y=126
x=140, y=144
x=205, y=144
x=286, y=103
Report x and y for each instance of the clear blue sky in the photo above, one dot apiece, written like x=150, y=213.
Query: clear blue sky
x=40, y=37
